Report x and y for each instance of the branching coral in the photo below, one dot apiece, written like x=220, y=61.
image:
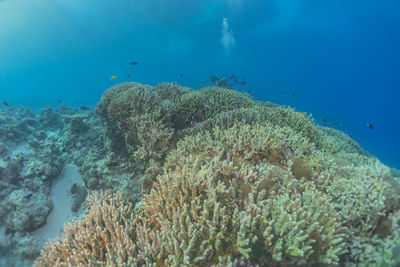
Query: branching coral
x=238, y=183
x=104, y=237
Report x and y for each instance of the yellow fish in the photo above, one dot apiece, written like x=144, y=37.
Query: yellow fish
x=113, y=77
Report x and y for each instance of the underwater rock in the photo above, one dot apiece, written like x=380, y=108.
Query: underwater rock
x=28, y=245
x=40, y=135
x=26, y=126
x=5, y=241
x=78, y=196
x=49, y=119
x=77, y=125
x=5, y=190
x=92, y=183
x=34, y=144
x=47, y=165
x=3, y=148
x=64, y=109
x=16, y=124
x=26, y=210
x=10, y=169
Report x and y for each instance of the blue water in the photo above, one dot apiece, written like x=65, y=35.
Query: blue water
x=340, y=58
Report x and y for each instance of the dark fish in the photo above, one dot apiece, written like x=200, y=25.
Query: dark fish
x=369, y=125
x=293, y=95
x=59, y=100
x=6, y=104
x=282, y=92
x=129, y=75
x=180, y=75
x=324, y=119
x=84, y=108
x=133, y=63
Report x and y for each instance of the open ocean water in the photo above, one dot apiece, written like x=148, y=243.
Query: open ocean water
x=337, y=61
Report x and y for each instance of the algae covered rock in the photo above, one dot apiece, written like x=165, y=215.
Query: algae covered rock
x=10, y=169
x=26, y=210
x=49, y=119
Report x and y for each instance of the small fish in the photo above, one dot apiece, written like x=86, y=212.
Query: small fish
x=282, y=92
x=84, y=108
x=113, y=77
x=341, y=124
x=59, y=100
x=133, y=63
x=129, y=75
x=324, y=119
x=180, y=75
x=369, y=125
x=6, y=104
x=293, y=94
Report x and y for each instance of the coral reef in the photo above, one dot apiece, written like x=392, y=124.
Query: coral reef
x=195, y=178
x=236, y=183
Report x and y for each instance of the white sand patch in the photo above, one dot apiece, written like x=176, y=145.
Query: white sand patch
x=61, y=197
